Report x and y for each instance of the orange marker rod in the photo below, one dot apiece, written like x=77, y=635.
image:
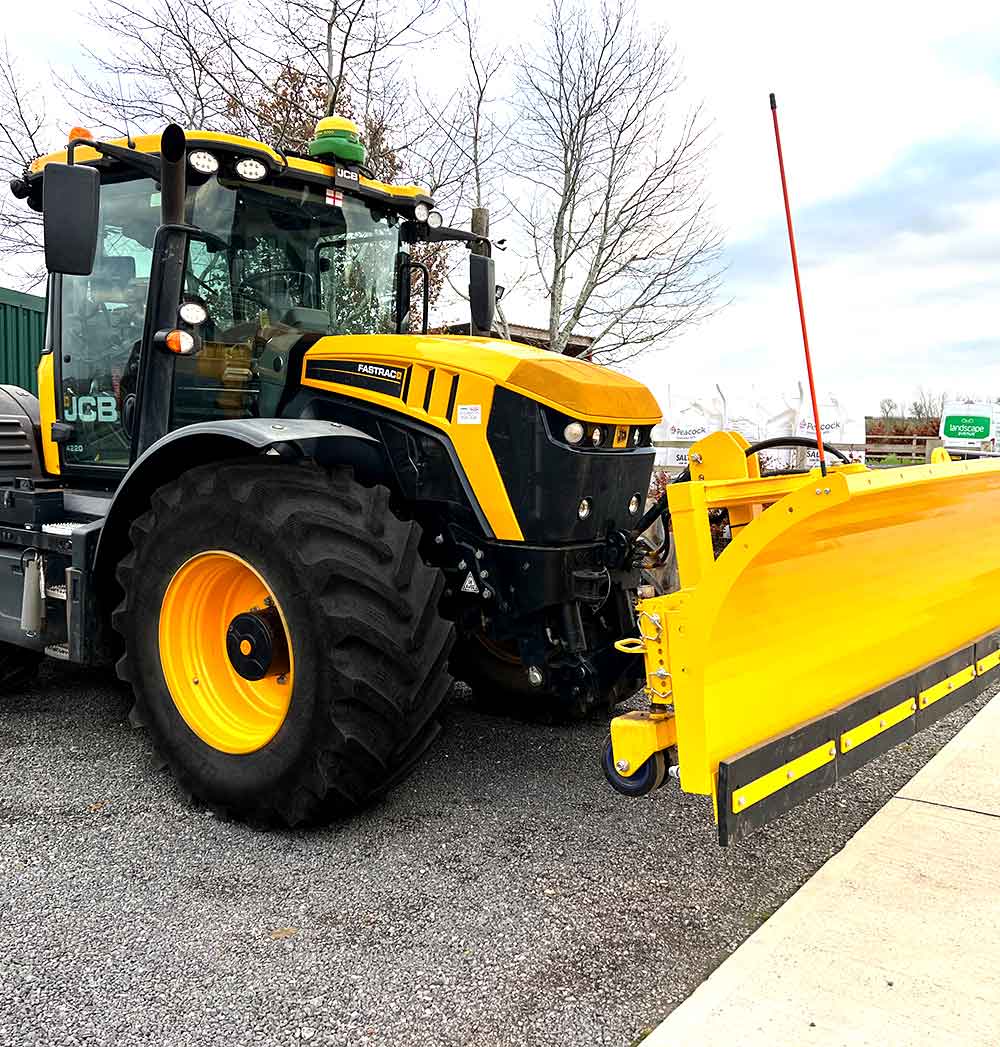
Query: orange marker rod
x=798, y=290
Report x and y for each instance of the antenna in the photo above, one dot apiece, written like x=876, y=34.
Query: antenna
x=798, y=291
x=121, y=97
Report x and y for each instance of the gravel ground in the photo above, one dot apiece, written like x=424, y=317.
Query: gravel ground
x=502, y=896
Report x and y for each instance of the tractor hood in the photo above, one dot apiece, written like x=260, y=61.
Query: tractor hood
x=584, y=390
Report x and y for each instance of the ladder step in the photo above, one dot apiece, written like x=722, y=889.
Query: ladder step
x=59, y=651
x=55, y=592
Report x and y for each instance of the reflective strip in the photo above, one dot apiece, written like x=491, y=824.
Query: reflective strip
x=991, y=661
x=762, y=787
x=877, y=724
x=945, y=687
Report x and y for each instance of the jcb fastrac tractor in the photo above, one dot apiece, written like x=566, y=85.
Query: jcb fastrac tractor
x=276, y=508
x=247, y=482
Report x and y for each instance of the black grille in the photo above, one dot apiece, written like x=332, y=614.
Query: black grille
x=15, y=446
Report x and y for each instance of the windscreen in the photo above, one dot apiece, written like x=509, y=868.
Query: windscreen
x=273, y=265
x=308, y=258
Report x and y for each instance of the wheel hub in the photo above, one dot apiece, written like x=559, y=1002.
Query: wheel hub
x=226, y=652
x=255, y=643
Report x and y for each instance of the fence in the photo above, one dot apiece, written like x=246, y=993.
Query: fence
x=907, y=450
x=22, y=332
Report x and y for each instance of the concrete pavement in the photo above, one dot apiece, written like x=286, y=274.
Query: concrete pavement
x=894, y=942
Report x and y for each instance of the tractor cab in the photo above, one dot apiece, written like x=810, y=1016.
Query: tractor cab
x=252, y=255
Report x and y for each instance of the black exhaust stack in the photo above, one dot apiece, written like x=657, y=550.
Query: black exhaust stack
x=151, y=410
x=172, y=175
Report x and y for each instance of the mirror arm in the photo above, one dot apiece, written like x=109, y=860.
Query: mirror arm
x=147, y=164
x=143, y=162
x=414, y=233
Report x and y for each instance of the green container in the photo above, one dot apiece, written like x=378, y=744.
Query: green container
x=22, y=334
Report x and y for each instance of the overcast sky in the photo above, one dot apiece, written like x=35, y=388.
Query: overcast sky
x=890, y=117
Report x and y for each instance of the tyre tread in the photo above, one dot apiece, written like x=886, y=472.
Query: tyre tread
x=375, y=601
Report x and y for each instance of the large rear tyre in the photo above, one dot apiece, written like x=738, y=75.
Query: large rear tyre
x=18, y=667
x=282, y=639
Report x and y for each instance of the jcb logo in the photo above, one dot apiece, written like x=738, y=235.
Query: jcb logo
x=91, y=409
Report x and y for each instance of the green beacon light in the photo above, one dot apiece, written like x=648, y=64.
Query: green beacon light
x=338, y=137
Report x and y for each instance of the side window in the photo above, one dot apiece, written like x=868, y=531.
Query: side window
x=102, y=321
x=220, y=381
x=207, y=281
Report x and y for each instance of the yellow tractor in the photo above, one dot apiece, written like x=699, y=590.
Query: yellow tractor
x=291, y=520
x=275, y=506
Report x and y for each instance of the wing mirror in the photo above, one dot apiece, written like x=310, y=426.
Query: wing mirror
x=482, y=291
x=70, y=202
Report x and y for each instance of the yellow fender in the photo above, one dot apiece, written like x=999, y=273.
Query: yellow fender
x=848, y=612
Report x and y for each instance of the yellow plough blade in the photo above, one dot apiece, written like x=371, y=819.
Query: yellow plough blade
x=846, y=613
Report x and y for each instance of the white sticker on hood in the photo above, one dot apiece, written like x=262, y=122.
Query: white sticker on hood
x=470, y=414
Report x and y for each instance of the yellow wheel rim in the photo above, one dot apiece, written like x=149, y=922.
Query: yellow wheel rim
x=223, y=708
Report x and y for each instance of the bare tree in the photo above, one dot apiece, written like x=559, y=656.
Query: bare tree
x=456, y=155
x=22, y=138
x=353, y=46
x=458, y=150
x=621, y=236
x=251, y=68
x=928, y=405
x=158, y=61
x=888, y=407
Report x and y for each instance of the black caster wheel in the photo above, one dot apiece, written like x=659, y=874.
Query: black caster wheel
x=648, y=777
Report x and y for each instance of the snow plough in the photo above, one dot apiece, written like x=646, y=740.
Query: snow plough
x=838, y=615
x=255, y=483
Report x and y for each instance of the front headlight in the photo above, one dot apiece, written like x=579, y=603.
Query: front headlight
x=573, y=433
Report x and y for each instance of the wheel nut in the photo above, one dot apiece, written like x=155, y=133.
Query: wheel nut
x=622, y=765
x=535, y=676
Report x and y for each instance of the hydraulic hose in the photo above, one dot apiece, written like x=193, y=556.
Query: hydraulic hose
x=790, y=441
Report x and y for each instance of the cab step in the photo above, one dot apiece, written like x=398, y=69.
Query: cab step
x=59, y=651
x=55, y=592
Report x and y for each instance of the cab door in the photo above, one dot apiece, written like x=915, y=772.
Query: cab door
x=101, y=319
